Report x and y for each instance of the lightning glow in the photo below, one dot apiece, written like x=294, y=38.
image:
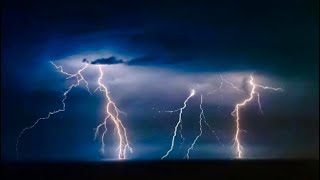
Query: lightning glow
x=79, y=78
x=112, y=112
x=179, y=123
x=239, y=148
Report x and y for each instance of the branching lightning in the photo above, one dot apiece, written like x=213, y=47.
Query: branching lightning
x=79, y=78
x=112, y=112
x=222, y=82
x=201, y=118
x=178, y=123
x=235, y=113
x=220, y=88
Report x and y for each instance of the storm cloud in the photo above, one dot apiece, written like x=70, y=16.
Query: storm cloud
x=109, y=61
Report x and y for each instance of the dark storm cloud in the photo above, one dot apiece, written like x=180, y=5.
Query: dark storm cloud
x=233, y=35
x=109, y=60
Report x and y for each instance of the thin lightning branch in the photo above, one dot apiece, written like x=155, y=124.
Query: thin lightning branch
x=271, y=88
x=179, y=122
x=220, y=88
x=259, y=104
x=103, y=135
x=113, y=114
x=181, y=136
x=235, y=113
x=60, y=68
x=79, y=77
x=98, y=128
x=180, y=126
x=211, y=129
x=222, y=82
x=201, y=117
x=228, y=82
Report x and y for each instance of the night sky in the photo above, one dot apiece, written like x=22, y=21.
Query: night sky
x=153, y=53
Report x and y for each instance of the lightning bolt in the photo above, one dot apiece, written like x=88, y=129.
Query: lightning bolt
x=235, y=113
x=179, y=123
x=112, y=112
x=201, y=117
x=79, y=78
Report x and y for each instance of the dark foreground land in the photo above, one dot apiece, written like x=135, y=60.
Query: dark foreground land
x=230, y=169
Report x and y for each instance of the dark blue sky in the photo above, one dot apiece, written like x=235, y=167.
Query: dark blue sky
x=167, y=47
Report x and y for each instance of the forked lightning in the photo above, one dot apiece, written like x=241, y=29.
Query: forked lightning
x=178, y=123
x=239, y=148
x=79, y=78
x=112, y=112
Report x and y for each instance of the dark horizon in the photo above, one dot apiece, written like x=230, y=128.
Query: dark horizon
x=274, y=169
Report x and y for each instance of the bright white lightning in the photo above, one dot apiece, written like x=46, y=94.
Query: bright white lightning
x=201, y=118
x=79, y=78
x=113, y=114
x=178, y=123
x=235, y=113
